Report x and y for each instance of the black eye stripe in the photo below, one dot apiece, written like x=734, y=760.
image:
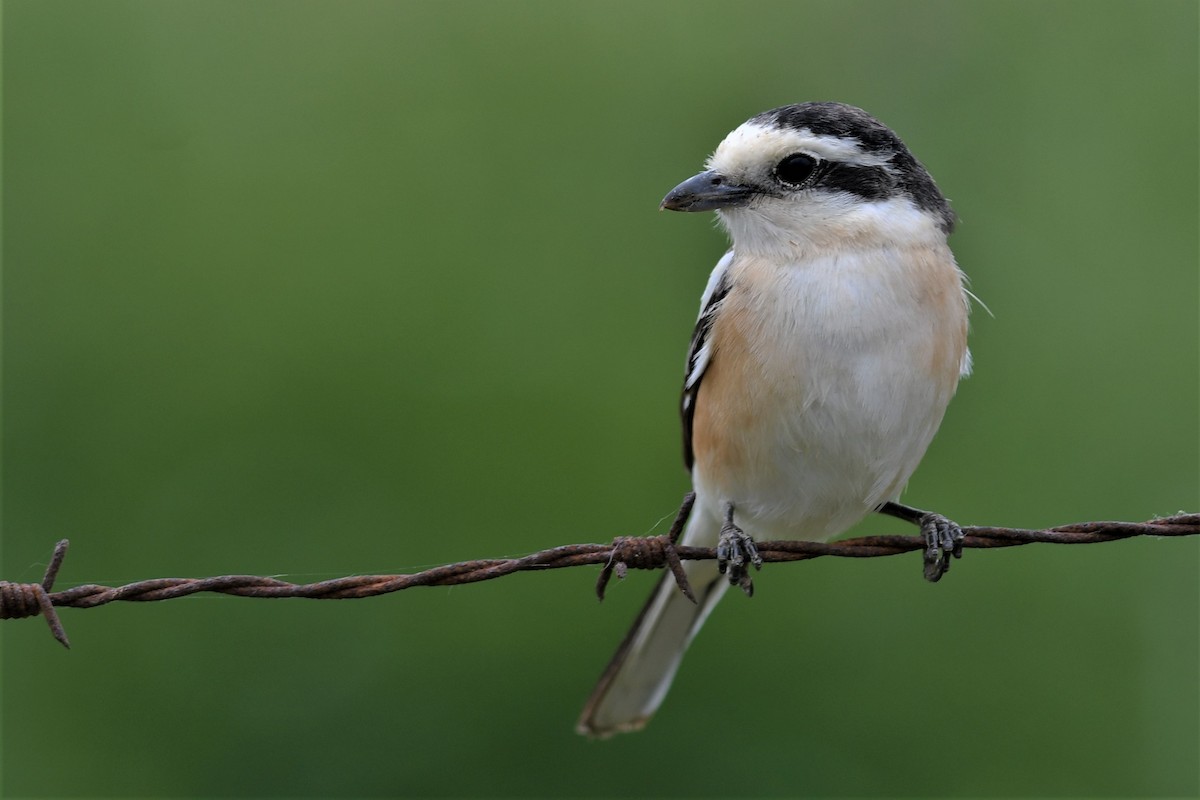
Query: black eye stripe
x=795, y=169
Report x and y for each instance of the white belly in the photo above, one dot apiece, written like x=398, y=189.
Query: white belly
x=826, y=386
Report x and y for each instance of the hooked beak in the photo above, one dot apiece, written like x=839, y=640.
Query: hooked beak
x=706, y=192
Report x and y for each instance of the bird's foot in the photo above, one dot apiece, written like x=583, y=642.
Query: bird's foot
x=943, y=539
x=734, y=549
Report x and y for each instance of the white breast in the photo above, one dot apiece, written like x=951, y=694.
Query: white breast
x=828, y=378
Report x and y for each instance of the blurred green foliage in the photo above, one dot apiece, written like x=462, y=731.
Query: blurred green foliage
x=321, y=288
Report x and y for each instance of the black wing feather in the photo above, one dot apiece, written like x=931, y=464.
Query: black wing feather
x=691, y=380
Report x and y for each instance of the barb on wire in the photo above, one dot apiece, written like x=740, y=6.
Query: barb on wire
x=19, y=600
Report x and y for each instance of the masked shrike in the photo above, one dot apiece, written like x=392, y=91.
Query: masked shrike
x=831, y=337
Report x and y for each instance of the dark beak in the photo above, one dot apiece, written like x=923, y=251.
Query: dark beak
x=706, y=192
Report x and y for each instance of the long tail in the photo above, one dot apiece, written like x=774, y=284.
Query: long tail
x=637, y=679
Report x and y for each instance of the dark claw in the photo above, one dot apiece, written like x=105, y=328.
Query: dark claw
x=734, y=549
x=723, y=548
x=746, y=584
x=943, y=539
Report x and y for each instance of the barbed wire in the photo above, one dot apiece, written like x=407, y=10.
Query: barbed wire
x=18, y=600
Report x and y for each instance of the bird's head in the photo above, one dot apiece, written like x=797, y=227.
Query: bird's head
x=815, y=174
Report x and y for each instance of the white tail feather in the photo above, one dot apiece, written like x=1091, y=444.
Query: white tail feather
x=640, y=673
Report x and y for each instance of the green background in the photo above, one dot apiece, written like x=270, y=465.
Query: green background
x=313, y=288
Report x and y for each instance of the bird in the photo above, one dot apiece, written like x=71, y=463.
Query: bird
x=831, y=337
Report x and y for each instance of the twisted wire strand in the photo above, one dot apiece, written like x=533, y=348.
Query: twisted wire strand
x=19, y=600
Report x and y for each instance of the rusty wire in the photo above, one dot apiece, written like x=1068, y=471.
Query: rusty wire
x=651, y=552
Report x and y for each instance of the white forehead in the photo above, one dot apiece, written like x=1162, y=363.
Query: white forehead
x=754, y=146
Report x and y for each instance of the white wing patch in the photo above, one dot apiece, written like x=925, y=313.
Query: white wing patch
x=714, y=280
x=700, y=352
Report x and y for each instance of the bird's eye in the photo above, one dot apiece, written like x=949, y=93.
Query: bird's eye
x=795, y=169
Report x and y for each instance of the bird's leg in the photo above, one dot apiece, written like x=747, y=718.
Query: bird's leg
x=943, y=537
x=734, y=549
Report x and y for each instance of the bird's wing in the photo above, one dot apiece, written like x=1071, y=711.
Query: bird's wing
x=700, y=353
